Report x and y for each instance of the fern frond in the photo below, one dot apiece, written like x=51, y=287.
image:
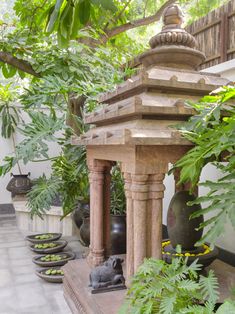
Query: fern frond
x=194, y=309
x=188, y=285
x=209, y=287
x=167, y=304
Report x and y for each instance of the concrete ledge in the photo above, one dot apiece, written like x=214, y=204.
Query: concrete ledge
x=50, y=223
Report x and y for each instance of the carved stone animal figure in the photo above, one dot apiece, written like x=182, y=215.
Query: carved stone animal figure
x=108, y=274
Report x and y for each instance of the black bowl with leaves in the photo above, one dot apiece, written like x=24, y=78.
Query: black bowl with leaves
x=51, y=260
x=48, y=247
x=51, y=274
x=43, y=237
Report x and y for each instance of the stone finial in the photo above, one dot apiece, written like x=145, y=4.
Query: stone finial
x=172, y=17
x=173, y=46
x=172, y=33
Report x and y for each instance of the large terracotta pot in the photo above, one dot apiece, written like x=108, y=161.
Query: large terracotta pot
x=117, y=233
x=180, y=227
x=19, y=184
x=81, y=211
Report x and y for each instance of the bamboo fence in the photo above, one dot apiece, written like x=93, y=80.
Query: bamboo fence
x=215, y=35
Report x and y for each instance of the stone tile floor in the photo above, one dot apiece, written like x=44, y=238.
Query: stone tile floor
x=21, y=291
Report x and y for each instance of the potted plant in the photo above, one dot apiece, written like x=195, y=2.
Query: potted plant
x=10, y=116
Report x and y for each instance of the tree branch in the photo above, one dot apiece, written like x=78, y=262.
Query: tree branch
x=137, y=23
x=115, y=19
x=22, y=65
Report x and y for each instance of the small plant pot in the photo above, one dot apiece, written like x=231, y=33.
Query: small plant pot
x=19, y=184
x=33, y=239
x=68, y=256
x=60, y=245
x=50, y=278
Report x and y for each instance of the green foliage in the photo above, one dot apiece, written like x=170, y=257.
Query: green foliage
x=228, y=307
x=71, y=169
x=198, y=9
x=38, y=133
x=42, y=194
x=9, y=112
x=174, y=288
x=65, y=14
x=215, y=119
x=69, y=180
x=118, y=198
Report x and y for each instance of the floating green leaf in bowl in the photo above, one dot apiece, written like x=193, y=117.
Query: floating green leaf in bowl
x=52, y=258
x=44, y=236
x=54, y=272
x=45, y=245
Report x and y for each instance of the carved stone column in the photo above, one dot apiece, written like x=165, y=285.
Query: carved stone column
x=129, y=227
x=99, y=211
x=139, y=189
x=144, y=193
x=156, y=194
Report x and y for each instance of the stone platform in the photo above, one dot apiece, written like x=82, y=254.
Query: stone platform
x=81, y=301
x=78, y=295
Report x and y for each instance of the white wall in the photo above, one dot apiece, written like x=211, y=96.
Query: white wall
x=35, y=168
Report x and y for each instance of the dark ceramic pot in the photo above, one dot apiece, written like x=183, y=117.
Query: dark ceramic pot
x=85, y=231
x=118, y=234
x=19, y=184
x=81, y=211
x=57, y=201
x=181, y=229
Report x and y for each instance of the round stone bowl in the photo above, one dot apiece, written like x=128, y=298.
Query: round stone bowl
x=60, y=245
x=54, y=237
x=50, y=278
x=204, y=254
x=68, y=256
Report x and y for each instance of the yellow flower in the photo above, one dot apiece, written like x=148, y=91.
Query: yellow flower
x=187, y=254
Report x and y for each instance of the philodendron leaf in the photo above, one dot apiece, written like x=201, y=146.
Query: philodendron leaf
x=54, y=16
x=106, y=4
x=84, y=11
x=8, y=71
